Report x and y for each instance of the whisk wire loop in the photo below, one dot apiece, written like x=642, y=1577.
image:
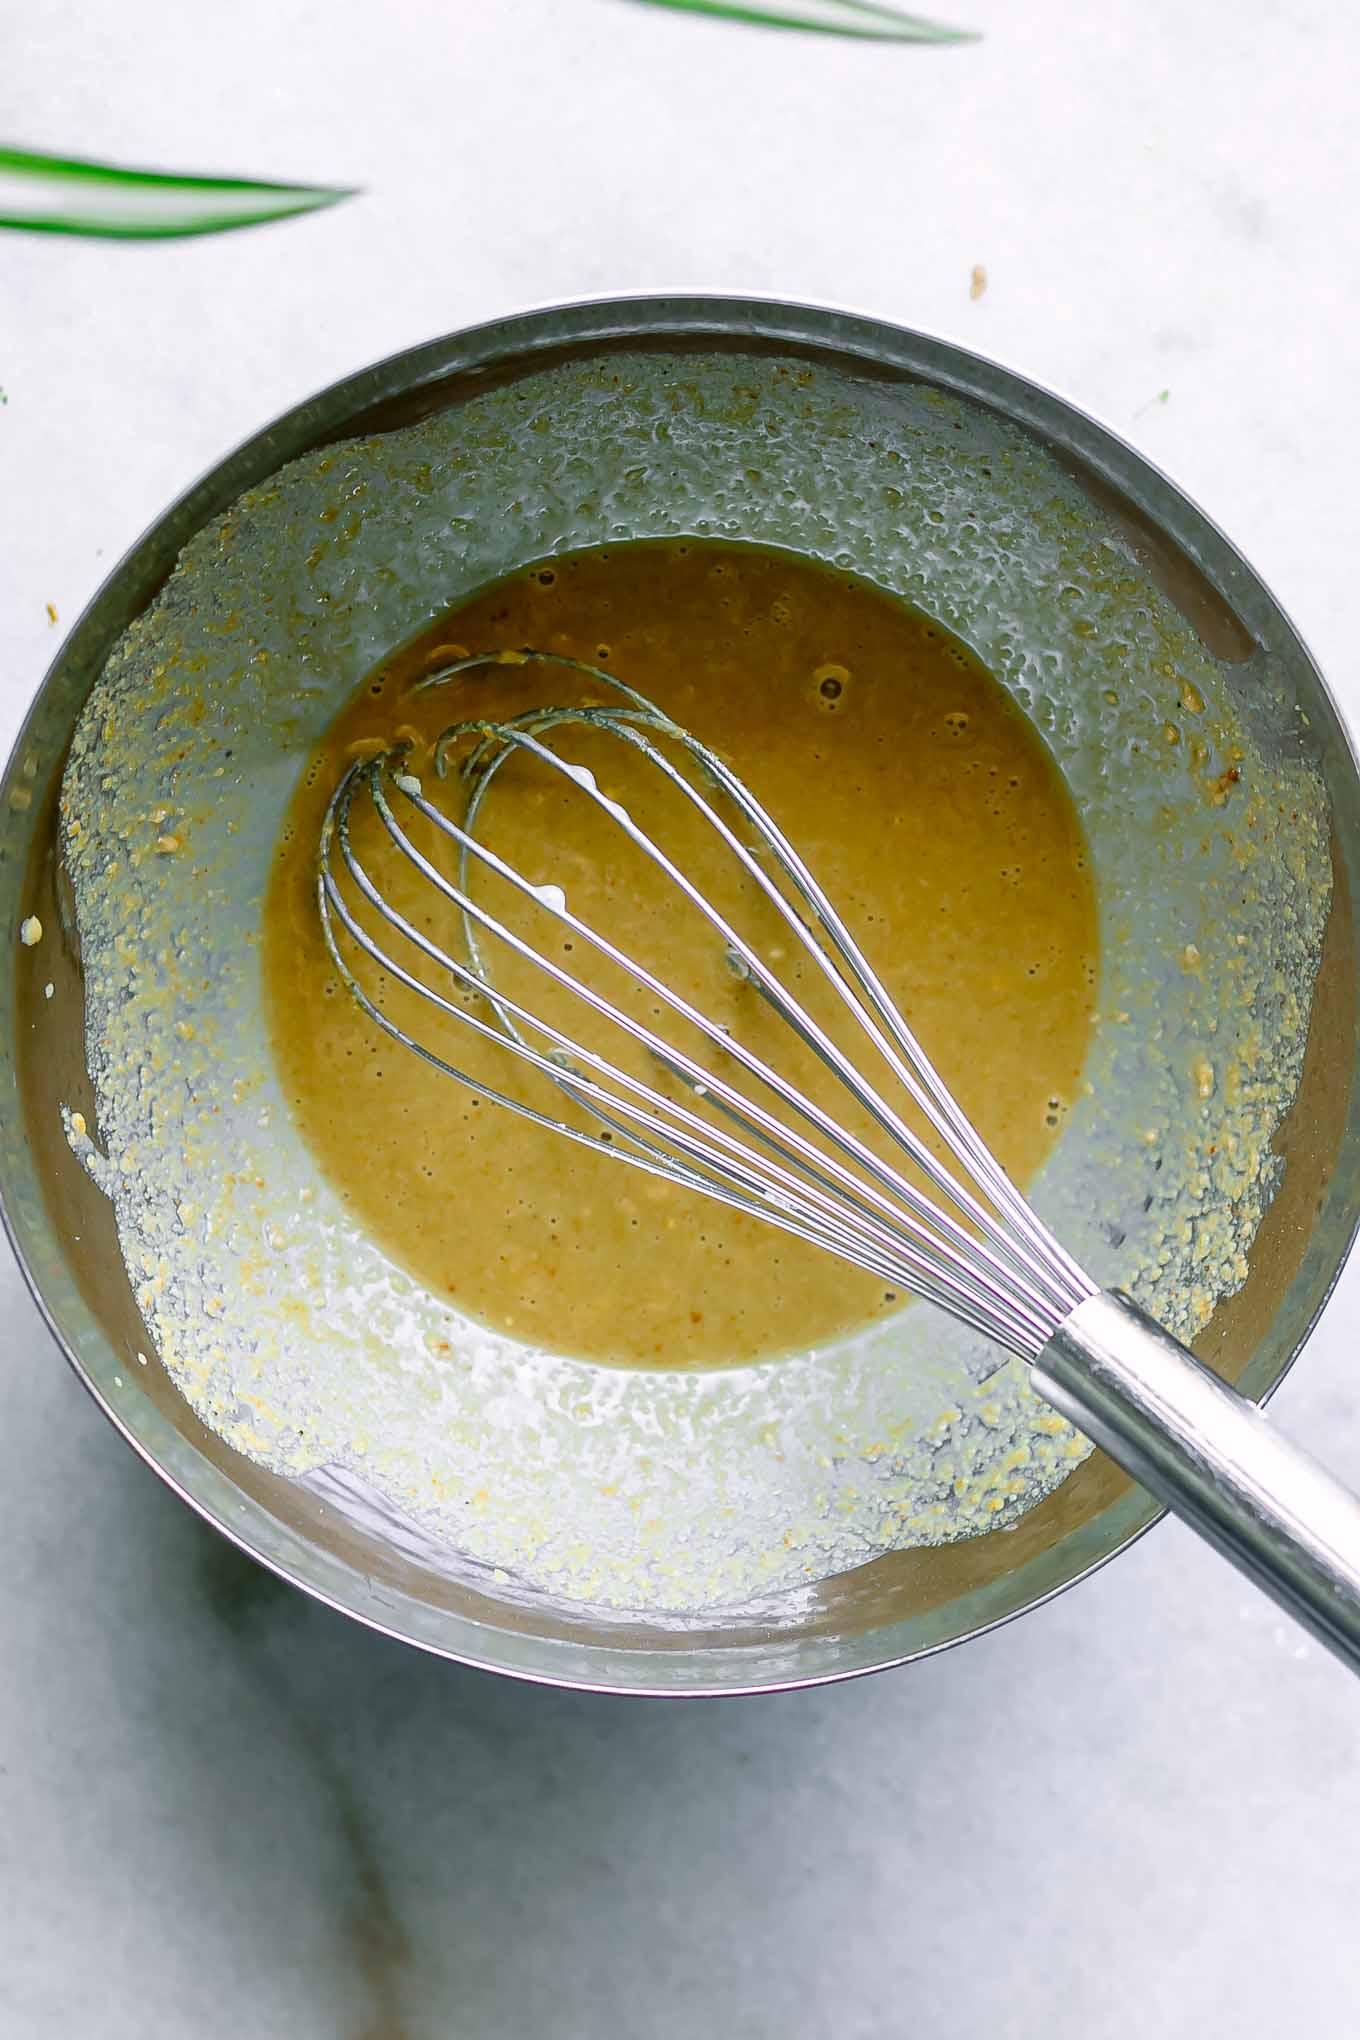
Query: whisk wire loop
x=982, y=1254
x=766, y=1189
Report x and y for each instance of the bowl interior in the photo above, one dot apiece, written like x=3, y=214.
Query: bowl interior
x=1212, y=1167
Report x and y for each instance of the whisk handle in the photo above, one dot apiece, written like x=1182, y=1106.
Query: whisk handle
x=1214, y=1459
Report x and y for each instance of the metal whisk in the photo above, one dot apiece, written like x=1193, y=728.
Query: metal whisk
x=708, y=1112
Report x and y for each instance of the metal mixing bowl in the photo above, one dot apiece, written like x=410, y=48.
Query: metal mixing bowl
x=902, y=1604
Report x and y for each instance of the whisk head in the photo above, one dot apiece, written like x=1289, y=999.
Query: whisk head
x=851, y=1141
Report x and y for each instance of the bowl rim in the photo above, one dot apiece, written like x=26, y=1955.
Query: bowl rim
x=338, y=411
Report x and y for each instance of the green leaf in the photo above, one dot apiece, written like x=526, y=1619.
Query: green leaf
x=865, y=19
x=66, y=195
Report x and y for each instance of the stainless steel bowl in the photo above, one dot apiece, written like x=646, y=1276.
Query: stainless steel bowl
x=899, y=1606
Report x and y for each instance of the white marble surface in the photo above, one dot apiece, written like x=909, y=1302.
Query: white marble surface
x=225, y=1812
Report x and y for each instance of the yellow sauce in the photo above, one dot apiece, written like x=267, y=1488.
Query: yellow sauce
x=916, y=791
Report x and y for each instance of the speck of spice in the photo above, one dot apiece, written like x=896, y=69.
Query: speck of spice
x=51, y=612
